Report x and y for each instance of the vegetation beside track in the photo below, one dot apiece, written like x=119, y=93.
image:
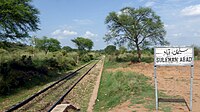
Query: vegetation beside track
x=117, y=87
x=23, y=66
x=25, y=69
x=50, y=96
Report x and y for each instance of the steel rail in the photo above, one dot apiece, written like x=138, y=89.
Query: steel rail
x=62, y=97
x=20, y=104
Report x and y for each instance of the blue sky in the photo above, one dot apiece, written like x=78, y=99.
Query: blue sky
x=68, y=19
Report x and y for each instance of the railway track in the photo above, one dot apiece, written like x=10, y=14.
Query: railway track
x=47, y=98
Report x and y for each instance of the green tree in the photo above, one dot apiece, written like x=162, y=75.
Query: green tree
x=67, y=48
x=122, y=50
x=17, y=19
x=136, y=27
x=83, y=44
x=110, y=49
x=196, y=51
x=47, y=44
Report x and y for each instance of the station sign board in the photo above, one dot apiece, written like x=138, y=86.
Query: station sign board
x=173, y=56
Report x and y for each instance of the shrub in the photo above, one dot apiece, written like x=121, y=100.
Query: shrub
x=2, y=51
x=147, y=59
x=86, y=58
x=93, y=55
x=17, y=73
x=51, y=62
x=73, y=55
x=68, y=63
x=4, y=55
x=111, y=58
x=124, y=57
x=21, y=66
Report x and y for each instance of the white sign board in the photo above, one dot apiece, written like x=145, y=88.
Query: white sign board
x=173, y=56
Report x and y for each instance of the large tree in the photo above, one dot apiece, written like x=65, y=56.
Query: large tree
x=17, y=19
x=47, y=44
x=110, y=49
x=83, y=44
x=67, y=48
x=135, y=27
x=122, y=50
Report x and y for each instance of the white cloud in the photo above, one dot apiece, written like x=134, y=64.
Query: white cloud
x=56, y=32
x=192, y=10
x=177, y=34
x=83, y=21
x=67, y=32
x=63, y=32
x=149, y=4
x=89, y=34
x=166, y=25
x=119, y=13
x=128, y=4
x=169, y=26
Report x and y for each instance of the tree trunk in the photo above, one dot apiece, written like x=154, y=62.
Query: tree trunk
x=46, y=51
x=139, y=53
x=77, y=61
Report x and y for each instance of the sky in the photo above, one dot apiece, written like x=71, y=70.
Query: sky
x=68, y=19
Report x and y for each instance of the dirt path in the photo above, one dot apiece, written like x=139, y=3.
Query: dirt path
x=96, y=88
x=174, y=81
x=127, y=107
x=81, y=94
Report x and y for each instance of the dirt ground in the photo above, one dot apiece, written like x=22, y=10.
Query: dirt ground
x=173, y=81
x=82, y=92
x=96, y=87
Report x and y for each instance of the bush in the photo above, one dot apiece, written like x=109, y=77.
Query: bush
x=86, y=58
x=22, y=66
x=68, y=63
x=32, y=50
x=111, y=58
x=148, y=59
x=17, y=73
x=2, y=51
x=147, y=52
x=4, y=56
x=73, y=55
x=94, y=55
x=51, y=62
x=124, y=57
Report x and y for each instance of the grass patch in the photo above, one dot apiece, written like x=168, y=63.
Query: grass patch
x=196, y=57
x=118, y=87
x=21, y=94
x=113, y=64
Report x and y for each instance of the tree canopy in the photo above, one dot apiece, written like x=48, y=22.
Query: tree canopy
x=17, y=19
x=135, y=28
x=83, y=44
x=122, y=50
x=110, y=49
x=67, y=48
x=47, y=44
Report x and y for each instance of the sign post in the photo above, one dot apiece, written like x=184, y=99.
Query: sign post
x=174, y=56
x=191, y=83
x=156, y=87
